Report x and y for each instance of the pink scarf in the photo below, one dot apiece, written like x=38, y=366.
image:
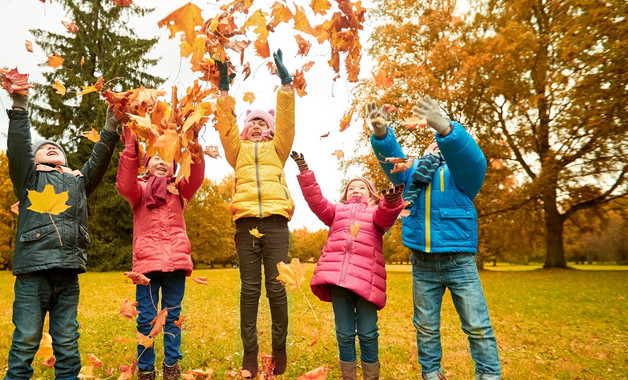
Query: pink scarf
x=157, y=190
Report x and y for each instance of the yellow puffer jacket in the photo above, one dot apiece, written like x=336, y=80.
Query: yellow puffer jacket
x=260, y=185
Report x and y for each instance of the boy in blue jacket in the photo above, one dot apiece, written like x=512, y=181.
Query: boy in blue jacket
x=48, y=257
x=442, y=232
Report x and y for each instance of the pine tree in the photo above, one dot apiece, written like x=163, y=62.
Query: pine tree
x=103, y=46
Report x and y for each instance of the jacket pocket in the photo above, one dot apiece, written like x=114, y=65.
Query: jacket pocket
x=83, y=239
x=283, y=187
x=457, y=223
x=37, y=233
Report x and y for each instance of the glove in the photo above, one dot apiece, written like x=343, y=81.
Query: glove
x=298, y=158
x=378, y=118
x=130, y=141
x=429, y=110
x=19, y=100
x=282, y=72
x=394, y=195
x=225, y=78
x=112, y=122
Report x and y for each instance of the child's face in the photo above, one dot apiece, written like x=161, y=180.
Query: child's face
x=357, y=188
x=49, y=154
x=255, y=132
x=159, y=168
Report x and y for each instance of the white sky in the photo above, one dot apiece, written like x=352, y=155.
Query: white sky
x=317, y=113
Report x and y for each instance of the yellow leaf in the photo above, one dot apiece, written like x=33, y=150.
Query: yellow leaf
x=45, y=345
x=48, y=201
x=338, y=153
x=184, y=19
x=168, y=145
x=249, y=97
x=55, y=60
x=355, y=228
x=92, y=135
x=291, y=275
x=59, y=87
x=346, y=121
x=194, y=118
x=93, y=88
x=255, y=232
x=144, y=340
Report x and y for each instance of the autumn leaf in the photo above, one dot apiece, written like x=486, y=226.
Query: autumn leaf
x=126, y=372
x=355, y=228
x=299, y=84
x=49, y=362
x=257, y=21
x=280, y=13
x=14, y=82
x=119, y=339
x=301, y=23
x=389, y=108
x=414, y=122
x=200, y=280
x=246, y=70
x=402, y=166
x=405, y=212
x=48, y=201
x=248, y=97
x=184, y=19
x=122, y=3
x=82, y=60
x=212, y=151
x=346, y=120
x=94, y=361
x=168, y=144
x=325, y=135
x=320, y=6
x=137, y=278
x=255, y=232
x=92, y=135
x=338, y=153
x=158, y=322
x=59, y=87
x=55, y=60
x=179, y=321
x=262, y=48
x=319, y=373
x=304, y=46
x=307, y=66
x=45, y=346
x=291, y=275
x=70, y=26
x=128, y=310
x=144, y=340
x=93, y=88
x=29, y=46
x=382, y=79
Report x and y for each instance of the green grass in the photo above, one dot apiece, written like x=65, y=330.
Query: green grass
x=554, y=324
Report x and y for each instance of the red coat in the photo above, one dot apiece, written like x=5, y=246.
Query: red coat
x=160, y=239
x=352, y=262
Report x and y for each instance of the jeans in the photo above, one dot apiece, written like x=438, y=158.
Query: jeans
x=431, y=274
x=355, y=315
x=36, y=294
x=172, y=285
x=268, y=250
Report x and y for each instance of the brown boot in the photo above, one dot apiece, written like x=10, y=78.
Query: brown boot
x=370, y=371
x=145, y=375
x=249, y=363
x=280, y=359
x=172, y=372
x=348, y=370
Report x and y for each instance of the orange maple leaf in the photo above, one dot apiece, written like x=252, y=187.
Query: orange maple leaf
x=307, y=66
x=29, y=46
x=92, y=135
x=212, y=151
x=168, y=144
x=143, y=340
x=55, y=60
x=184, y=19
x=70, y=26
x=122, y=3
x=299, y=84
x=319, y=373
x=320, y=6
x=257, y=21
x=94, y=361
x=280, y=13
x=179, y=321
x=158, y=322
x=389, y=108
x=14, y=82
x=127, y=309
x=262, y=48
x=93, y=88
x=137, y=278
x=346, y=121
x=304, y=46
x=382, y=79
x=301, y=22
x=249, y=97
x=59, y=87
x=338, y=153
x=82, y=60
x=402, y=166
x=200, y=280
x=291, y=275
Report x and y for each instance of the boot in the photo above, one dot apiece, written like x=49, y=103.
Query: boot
x=370, y=371
x=249, y=363
x=172, y=372
x=348, y=370
x=438, y=375
x=145, y=375
x=280, y=360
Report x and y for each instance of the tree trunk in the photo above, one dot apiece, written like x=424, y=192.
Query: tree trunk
x=555, y=256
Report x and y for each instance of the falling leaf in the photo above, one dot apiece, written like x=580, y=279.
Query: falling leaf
x=94, y=361
x=92, y=135
x=184, y=19
x=144, y=340
x=14, y=82
x=261, y=47
x=158, y=322
x=70, y=26
x=126, y=372
x=29, y=46
x=122, y=3
x=179, y=321
x=246, y=70
x=389, y=108
x=48, y=201
x=355, y=228
x=382, y=79
x=338, y=153
x=301, y=22
x=304, y=46
x=405, y=213
x=49, y=362
x=137, y=278
x=168, y=144
x=257, y=21
x=414, y=122
x=82, y=60
x=307, y=66
x=45, y=346
x=299, y=84
x=59, y=87
x=93, y=88
x=319, y=373
x=291, y=275
x=346, y=120
x=212, y=151
x=200, y=280
x=325, y=135
x=55, y=60
x=255, y=232
x=402, y=166
x=395, y=160
x=127, y=309
x=320, y=6
x=249, y=97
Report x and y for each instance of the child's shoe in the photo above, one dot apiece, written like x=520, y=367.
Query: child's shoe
x=280, y=360
x=370, y=371
x=348, y=370
x=145, y=375
x=172, y=372
x=249, y=364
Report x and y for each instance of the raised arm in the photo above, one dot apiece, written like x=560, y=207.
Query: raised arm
x=320, y=206
x=284, y=132
x=126, y=180
x=387, y=146
x=226, y=123
x=389, y=208
x=96, y=166
x=19, y=146
x=187, y=189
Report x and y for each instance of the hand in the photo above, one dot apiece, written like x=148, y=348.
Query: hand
x=429, y=110
x=282, y=72
x=112, y=122
x=300, y=160
x=129, y=139
x=394, y=195
x=378, y=118
x=19, y=101
x=225, y=78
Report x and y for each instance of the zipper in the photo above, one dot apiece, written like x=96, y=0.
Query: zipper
x=442, y=178
x=284, y=189
x=428, y=192
x=346, y=263
x=259, y=190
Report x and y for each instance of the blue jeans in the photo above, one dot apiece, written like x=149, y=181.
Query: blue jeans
x=172, y=285
x=431, y=274
x=355, y=315
x=36, y=294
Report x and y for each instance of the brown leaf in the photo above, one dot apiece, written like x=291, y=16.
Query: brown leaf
x=212, y=151
x=137, y=278
x=49, y=362
x=402, y=166
x=304, y=46
x=299, y=84
x=179, y=321
x=200, y=280
x=346, y=120
x=94, y=361
x=127, y=309
x=338, y=153
x=29, y=46
x=70, y=26
x=158, y=322
x=143, y=340
x=122, y=3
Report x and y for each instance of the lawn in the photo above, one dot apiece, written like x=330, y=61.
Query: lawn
x=554, y=324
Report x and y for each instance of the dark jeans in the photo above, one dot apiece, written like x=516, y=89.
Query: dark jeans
x=253, y=252
x=355, y=316
x=36, y=294
x=172, y=285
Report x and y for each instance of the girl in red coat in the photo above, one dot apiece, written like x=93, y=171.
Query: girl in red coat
x=350, y=272
x=161, y=248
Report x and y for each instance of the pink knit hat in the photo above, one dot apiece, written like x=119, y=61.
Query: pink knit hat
x=268, y=117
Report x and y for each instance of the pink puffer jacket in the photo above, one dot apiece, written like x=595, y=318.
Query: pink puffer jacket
x=160, y=239
x=352, y=262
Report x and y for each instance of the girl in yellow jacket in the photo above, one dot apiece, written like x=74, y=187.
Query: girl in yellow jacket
x=261, y=201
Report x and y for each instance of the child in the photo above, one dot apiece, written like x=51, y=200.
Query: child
x=350, y=272
x=161, y=248
x=261, y=201
x=49, y=256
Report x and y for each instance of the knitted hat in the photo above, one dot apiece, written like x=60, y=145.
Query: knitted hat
x=372, y=190
x=268, y=117
x=41, y=143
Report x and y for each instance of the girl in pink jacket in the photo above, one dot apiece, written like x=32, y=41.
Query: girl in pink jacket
x=161, y=248
x=350, y=272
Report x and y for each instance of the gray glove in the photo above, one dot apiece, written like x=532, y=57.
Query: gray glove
x=19, y=100
x=378, y=118
x=112, y=122
x=429, y=110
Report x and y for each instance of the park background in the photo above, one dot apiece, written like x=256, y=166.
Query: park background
x=542, y=86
